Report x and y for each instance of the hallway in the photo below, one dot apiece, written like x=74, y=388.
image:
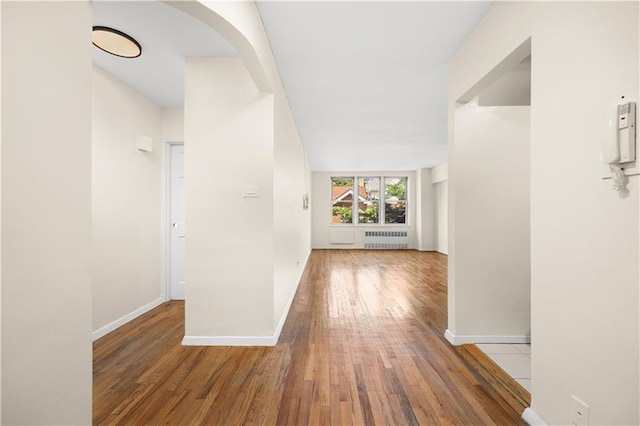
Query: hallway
x=362, y=345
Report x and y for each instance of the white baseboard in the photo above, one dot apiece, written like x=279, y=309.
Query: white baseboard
x=250, y=340
x=532, y=418
x=457, y=340
x=449, y=336
x=102, y=331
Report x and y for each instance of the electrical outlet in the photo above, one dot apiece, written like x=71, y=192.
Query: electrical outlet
x=579, y=412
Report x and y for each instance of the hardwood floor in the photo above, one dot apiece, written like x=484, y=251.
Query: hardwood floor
x=362, y=345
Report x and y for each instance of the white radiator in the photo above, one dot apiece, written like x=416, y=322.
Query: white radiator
x=386, y=240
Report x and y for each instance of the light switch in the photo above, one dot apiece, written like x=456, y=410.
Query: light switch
x=251, y=192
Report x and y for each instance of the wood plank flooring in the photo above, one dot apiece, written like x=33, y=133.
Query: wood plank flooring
x=362, y=345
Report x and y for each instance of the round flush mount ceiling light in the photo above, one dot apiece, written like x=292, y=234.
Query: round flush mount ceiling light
x=115, y=42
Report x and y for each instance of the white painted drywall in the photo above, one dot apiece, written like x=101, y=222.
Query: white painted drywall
x=292, y=224
x=321, y=212
x=46, y=213
x=125, y=200
x=439, y=173
x=419, y=223
x=229, y=135
x=426, y=214
x=173, y=124
x=442, y=216
x=439, y=176
x=0, y=214
x=584, y=236
x=492, y=221
x=291, y=174
x=511, y=89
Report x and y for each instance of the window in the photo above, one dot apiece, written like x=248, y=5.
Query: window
x=342, y=199
x=358, y=199
x=369, y=207
x=395, y=200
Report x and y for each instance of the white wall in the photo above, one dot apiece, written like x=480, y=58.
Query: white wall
x=321, y=212
x=46, y=213
x=125, y=200
x=492, y=221
x=173, y=124
x=292, y=224
x=511, y=89
x=425, y=211
x=229, y=145
x=439, y=176
x=291, y=179
x=241, y=24
x=440, y=173
x=419, y=223
x=584, y=236
x=442, y=217
x=0, y=214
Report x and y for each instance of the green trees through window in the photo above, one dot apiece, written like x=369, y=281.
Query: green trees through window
x=364, y=194
x=395, y=200
x=342, y=199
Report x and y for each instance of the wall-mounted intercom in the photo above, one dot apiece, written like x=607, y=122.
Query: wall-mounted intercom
x=620, y=146
x=619, y=155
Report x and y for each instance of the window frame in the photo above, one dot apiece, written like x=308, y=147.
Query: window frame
x=406, y=199
x=355, y=221
x=378, y=201
x=334, y=201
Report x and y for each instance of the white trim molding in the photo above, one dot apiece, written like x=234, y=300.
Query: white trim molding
x=532, y=418
x=457, y=340
x=250, y=340
x=102, y=331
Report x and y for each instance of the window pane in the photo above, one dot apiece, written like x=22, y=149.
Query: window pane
x=395, y=212
x=395, y=200
x=342, y=199
x=368, y=200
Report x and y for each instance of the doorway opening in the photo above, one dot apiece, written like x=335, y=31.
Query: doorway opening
x=492, y=218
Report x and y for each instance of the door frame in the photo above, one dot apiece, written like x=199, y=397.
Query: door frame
x=165, y=221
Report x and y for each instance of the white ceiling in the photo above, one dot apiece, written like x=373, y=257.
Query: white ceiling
x=366, y=80
x=167, y=35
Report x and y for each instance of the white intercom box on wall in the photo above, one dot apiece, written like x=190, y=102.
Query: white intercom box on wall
x=620, y=146
x=620, y=141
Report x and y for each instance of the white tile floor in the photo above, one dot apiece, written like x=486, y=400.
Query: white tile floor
x=514, y=359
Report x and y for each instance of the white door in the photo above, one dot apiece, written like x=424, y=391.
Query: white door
x=177, y=223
